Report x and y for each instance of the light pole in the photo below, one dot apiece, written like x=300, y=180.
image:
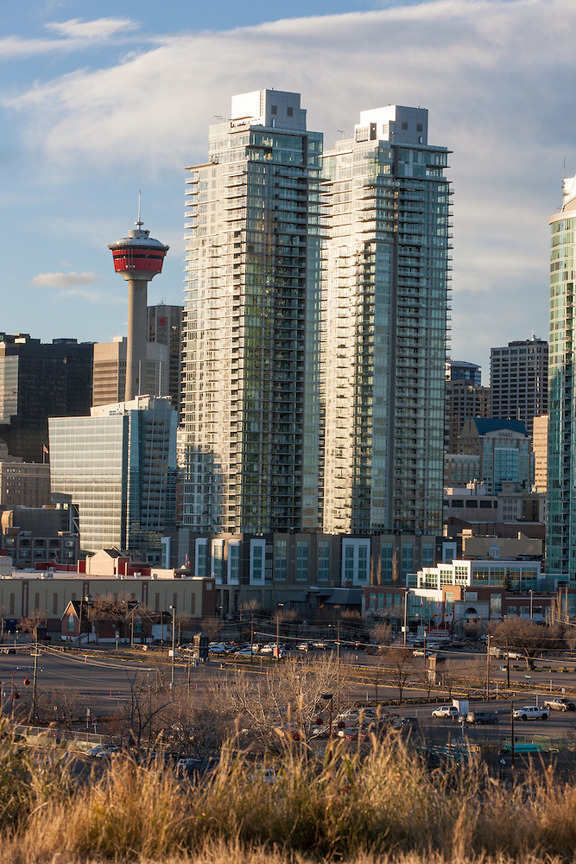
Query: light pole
x=406, y=613
x=531, y=607
x=173, y=610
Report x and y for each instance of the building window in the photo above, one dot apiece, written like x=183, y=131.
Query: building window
x=302, y=561
x=323, y=561
x=280, y=564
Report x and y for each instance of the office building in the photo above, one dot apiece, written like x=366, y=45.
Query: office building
x=540, y=447
x=251, y=414
x=463, y=399
x=118, y=466
x=109, y=380
x=165, y=328
x=386, y=294
x=561, y=493
x=504, y=451
x=519, y=381
x=23, y=484
x=462, y=370
x=38, y=381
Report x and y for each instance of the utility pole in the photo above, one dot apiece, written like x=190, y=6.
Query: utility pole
x=488, y=669
x=173, y=608
x=35, y=673
x=507, y=665
x=251, y=637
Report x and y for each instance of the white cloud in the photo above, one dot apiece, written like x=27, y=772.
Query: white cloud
x=65, y=280
x=101, y=28
x=498, y=78
x=75, y=35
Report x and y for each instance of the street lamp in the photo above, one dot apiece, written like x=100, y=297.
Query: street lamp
x=531, y=592
x=406, y=613
x=173, y=610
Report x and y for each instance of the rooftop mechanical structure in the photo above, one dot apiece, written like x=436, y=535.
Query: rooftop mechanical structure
x=138, y=258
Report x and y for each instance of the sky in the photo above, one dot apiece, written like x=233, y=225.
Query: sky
x=99, y=99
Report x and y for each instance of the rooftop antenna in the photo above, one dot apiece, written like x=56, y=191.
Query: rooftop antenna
x=139, y=222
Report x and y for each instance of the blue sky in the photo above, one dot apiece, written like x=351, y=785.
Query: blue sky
x=98, y=98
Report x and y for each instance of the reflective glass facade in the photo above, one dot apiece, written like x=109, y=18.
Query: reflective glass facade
x=385, y=326
x=249, y=446
x=118, y=466
x=561, y=502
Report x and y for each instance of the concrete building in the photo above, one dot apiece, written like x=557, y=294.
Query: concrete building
x=386, y=294
x=138, y=258
x=504, y=450
x=561, y=486
x=540, y=448
x=118, y=467
x=25, y=484
x=519, y=381
x=251, y=411
x=303, y=571
x=109, y=381
x=463, y=399
x=165, y=328
x=38, y=381
x=462, y=370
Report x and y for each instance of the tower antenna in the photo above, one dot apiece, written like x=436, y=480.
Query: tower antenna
x=139, y=222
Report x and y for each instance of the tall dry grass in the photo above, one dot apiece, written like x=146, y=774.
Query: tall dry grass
x=381, y=806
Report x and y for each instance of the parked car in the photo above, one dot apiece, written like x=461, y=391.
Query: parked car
x=446, y=712
x=482, y=718
x=560, y=703
x=531, y=712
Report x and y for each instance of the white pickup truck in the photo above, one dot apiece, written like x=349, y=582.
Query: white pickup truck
x=531, y=712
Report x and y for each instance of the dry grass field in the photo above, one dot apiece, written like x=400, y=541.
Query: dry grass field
x=378, y=804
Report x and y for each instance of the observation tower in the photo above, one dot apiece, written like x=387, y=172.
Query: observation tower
x=138, y=258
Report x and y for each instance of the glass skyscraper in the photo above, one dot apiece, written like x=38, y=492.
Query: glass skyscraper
x=119, y=466
x=385, y=314
x=249, y=446
x=561, y=495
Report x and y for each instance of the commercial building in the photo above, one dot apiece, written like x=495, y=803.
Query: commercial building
x=109, y=381
x=462, y=370
x=165, y=328
x=251, y=412
x=118, y=467
x=519, y=381
x=561, y=494
x=463, y=399
x=303, y=571
x=386, y=295
x=540, y=448
x=38, y=381
x=25, y=484
x=504, y=451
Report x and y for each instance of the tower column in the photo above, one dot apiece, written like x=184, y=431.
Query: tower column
x=137, y=338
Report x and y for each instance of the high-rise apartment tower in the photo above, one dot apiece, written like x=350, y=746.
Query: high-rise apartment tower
x=561, y=492
x=385, y=323
x=250, y=442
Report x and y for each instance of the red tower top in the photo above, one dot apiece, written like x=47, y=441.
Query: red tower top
x=138, y=256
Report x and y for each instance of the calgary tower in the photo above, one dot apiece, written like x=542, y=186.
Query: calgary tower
x=138, y=258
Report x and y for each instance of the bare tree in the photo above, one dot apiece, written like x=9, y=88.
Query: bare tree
x=212, y=626
x=382, y=634
x=30, y=623
x=526, y=637
x=285, y=701
x=400, y=666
